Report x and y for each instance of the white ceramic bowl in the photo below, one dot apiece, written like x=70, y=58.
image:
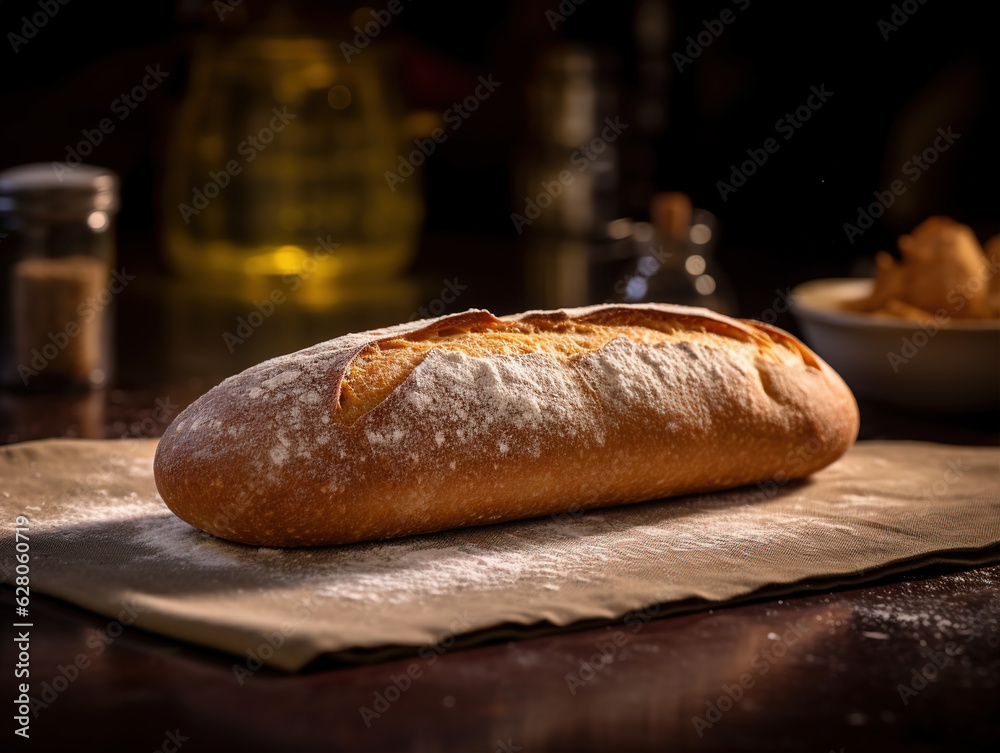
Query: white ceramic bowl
x=953, y=368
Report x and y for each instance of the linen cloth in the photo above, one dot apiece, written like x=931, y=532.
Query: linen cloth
x=101, y=538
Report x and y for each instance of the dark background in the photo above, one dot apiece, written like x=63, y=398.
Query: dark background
x=783, y=227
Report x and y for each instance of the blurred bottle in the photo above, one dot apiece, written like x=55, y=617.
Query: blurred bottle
x=596, y=103
x=675, y=257
x=567, y=177
x=277, y=163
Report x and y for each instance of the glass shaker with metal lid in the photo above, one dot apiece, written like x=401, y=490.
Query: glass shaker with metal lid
x=56, y=257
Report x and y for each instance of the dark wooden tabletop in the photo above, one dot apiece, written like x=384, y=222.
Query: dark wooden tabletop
x=910, y=663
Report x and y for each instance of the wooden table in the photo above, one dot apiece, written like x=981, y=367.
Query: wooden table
x=825, y=671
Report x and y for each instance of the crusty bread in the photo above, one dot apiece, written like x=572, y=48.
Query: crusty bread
x=472, y=419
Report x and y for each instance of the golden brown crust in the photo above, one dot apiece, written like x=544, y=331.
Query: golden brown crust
x=384, y=364
x=472, y=418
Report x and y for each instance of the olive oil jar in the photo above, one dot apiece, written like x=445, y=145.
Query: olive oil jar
x=281, y=148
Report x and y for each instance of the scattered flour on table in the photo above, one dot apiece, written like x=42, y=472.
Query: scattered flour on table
x=938, y=613
x=545, y=554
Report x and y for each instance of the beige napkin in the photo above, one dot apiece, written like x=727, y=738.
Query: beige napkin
x=101, y=538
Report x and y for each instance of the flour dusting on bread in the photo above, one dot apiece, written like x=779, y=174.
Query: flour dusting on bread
x=471, y=419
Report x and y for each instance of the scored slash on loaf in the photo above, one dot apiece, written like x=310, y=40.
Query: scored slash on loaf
x=471, y=419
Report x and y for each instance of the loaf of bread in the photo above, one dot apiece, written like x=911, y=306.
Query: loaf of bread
x=472, y=419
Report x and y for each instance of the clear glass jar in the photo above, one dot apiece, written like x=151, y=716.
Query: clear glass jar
x=678, y=269
x=56, y=259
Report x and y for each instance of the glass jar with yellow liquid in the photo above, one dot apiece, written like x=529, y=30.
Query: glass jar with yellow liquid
x=276, y=165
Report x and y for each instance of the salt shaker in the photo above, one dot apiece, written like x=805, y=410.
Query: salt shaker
x=56, y=259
